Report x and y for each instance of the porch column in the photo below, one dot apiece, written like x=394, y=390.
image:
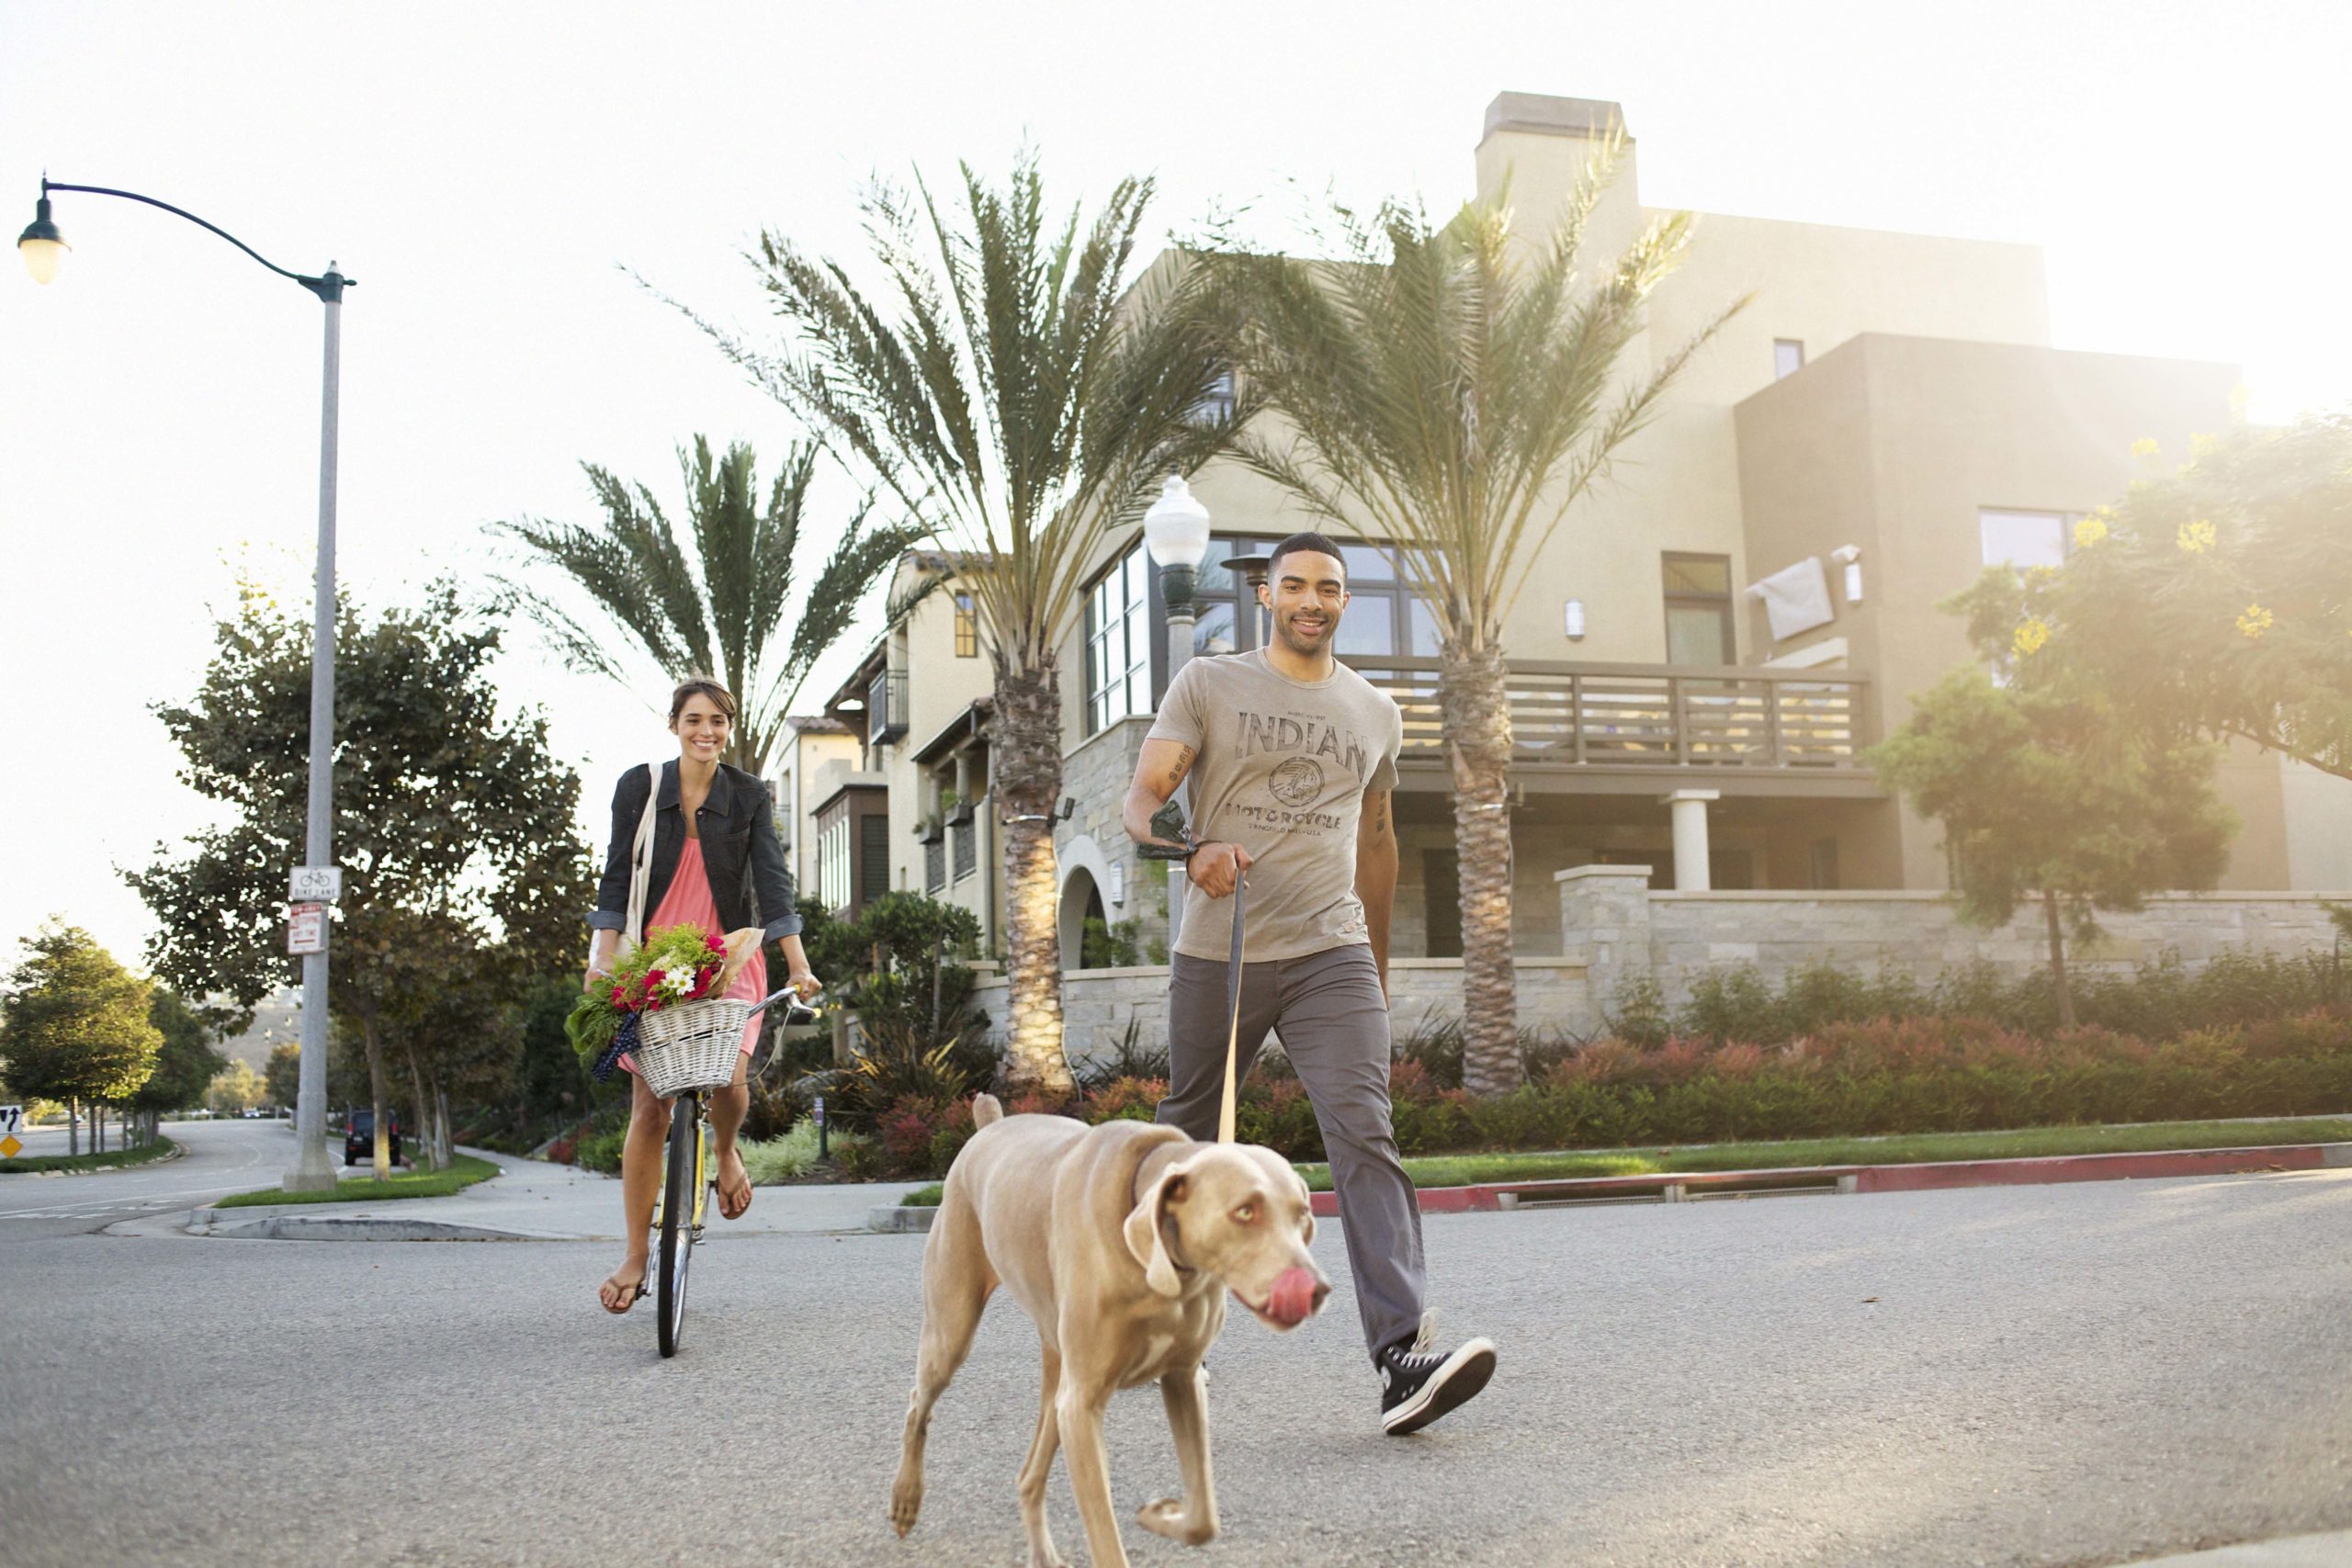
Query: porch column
x=1690, y=807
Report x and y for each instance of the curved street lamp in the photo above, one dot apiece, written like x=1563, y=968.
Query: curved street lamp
x=43, y=248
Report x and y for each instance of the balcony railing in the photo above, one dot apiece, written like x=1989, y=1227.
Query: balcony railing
x=1653, y=715
x=886, y=709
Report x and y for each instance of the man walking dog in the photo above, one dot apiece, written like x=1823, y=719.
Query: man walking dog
x=1292, y=758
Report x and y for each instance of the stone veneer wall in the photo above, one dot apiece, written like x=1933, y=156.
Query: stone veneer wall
x=1096, y=774
x=1619, y=929
x=1097, y=1004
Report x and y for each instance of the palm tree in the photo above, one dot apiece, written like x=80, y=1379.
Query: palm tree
x=1012, y=391
x=1456, y=390
x=713, y=601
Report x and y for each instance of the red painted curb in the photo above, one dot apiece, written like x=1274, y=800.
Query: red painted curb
x=2035, y=1170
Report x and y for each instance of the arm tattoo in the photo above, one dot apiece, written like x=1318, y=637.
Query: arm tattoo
x=1182, y=765
x=1376, y=813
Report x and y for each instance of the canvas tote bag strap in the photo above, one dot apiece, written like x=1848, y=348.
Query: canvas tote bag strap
x=640, y=858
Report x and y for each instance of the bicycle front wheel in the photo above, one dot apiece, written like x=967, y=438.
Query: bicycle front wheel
x=679, y=1194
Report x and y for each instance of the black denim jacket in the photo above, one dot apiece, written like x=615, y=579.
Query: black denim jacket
x=740, y=853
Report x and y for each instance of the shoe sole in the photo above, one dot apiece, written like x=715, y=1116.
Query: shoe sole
x=1452, y=1385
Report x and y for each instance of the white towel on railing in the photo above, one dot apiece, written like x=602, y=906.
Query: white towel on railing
x=1796, y=598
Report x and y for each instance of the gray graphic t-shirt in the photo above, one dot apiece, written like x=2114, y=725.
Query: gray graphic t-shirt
x=1281, y=769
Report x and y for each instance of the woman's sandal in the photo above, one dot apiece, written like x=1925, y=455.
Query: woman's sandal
x=720, y=1185
x=618, y=1311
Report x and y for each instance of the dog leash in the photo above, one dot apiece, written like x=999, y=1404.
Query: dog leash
x=1233, y=1022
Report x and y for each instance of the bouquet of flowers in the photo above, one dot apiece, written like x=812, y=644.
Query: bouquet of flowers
x=675, y=963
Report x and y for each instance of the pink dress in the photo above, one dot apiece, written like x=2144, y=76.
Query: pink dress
x=687, y=902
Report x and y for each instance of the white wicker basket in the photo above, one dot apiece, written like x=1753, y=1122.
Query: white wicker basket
x=690, y=1046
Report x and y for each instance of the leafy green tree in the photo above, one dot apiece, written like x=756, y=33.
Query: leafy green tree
x=2040, y=791
x=1457, y=388
x=1016, y=398
x=552, y=1083
x=454, y=824
x=714, y=597
x=2216, y=600
x=74, y=1024
x=184, y=1067
x=234, y=1089
x=282, y=1080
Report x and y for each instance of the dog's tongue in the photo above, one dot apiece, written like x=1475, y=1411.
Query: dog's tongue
x=1292, y=1298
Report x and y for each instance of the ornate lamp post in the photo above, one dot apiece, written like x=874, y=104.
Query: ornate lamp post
x=1176, y=532
x=43, y=248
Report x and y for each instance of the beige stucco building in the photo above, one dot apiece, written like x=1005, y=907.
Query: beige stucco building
x=1704, y=649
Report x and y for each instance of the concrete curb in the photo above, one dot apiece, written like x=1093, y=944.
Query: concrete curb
x=891, y=1219
x=1673, y=1187
x=360, y=1227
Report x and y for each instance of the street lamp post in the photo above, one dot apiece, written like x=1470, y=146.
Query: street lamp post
x=1176, y=532
x=43, y=248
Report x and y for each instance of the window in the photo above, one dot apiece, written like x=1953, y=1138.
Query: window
x=1219, y=596
x=1698, y=609
x=2023, y=538
x=833, y=861
x=1384, y=618
x=1825, y=863
x=1118, y=644
x=874, y=843
x=967, y=627
x=1216, y=404
x=1788, y=357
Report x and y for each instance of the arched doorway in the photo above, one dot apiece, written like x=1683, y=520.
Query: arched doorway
x=1082, y=901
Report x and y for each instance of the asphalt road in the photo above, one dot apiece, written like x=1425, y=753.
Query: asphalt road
x=2072, y=1375
x=224, y=1157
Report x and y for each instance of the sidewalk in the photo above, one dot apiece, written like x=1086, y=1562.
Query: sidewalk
x=2333, y=1549
x=528, y=1201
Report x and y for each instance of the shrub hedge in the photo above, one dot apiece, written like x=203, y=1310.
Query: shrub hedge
x=1919, y=1074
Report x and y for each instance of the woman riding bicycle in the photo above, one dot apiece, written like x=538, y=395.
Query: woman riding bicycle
x=715, y=860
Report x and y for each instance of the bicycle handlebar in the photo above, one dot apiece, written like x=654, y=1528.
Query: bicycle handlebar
x=796, y=1012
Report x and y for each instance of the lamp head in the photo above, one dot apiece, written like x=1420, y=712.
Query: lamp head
x=41, y=245
x=1176, y=529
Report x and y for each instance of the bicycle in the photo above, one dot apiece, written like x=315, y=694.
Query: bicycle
x=686, y=1170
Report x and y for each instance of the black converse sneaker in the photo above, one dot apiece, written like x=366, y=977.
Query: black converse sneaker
x=1418, y=1384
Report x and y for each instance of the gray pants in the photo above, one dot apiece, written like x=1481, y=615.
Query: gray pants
x=1334, y=1027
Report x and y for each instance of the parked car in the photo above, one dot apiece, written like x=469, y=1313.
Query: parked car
x=359, y=1136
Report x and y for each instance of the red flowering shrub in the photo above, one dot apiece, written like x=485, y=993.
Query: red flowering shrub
x=1133, y=1099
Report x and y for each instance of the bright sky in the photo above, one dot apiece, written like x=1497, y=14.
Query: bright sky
x=485, y=171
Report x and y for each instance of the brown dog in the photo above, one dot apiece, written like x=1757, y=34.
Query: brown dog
x=1120, y=1242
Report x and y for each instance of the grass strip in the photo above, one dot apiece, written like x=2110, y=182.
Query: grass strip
x=1917, y=1148
x=113, y=1159
x=411, y=1184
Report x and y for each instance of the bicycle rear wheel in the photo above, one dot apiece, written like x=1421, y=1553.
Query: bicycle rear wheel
x=680, y=1189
